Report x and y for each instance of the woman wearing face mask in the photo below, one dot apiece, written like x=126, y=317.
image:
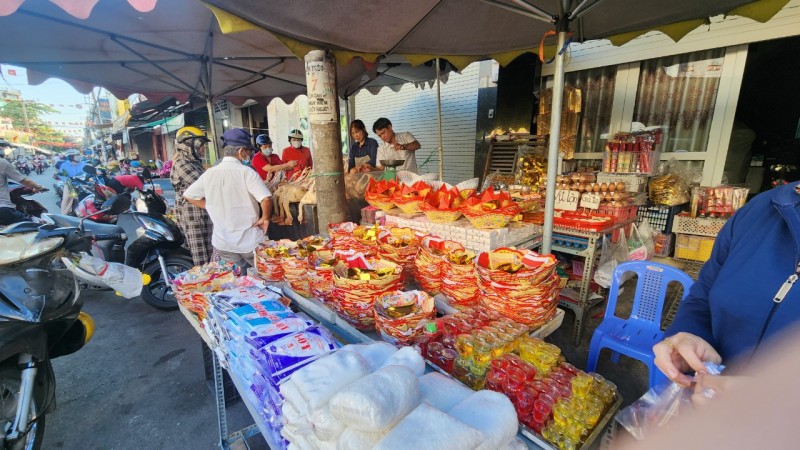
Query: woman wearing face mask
x=265, y=162
x=296, y=152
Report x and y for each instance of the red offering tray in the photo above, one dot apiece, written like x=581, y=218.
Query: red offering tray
x=583, y=220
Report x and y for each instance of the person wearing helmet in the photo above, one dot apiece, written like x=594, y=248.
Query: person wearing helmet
x=297, y=152
x=266, y=162
x=73, y=166
x=187, y=167
x=231, y=192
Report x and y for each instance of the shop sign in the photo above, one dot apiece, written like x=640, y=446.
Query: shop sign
x=591, y=201
x=567, y=200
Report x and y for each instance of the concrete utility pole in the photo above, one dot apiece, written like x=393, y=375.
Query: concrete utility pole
x=323, y=115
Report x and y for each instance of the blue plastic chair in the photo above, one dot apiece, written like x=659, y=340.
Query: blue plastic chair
x=636, y=336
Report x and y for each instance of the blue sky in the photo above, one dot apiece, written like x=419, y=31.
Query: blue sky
x=71, y=104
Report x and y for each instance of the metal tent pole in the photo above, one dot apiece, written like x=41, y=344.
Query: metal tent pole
x=439, y=115
x=555, y=136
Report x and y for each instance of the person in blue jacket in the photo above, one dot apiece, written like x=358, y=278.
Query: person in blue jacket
x=744, y=294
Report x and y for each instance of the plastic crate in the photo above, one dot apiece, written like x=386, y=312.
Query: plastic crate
x=700, y=226
x=621, y=213
x=693, y=248
x=633, y=182
x=570, y=241
x=659, y=217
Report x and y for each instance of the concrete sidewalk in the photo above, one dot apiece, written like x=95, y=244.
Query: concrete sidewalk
x=139, y=384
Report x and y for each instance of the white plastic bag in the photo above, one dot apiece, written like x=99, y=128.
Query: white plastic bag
x=637, y=248
x=606, y=265
x=407, y=357
x=375, y=353
x=127, y=281
x=442, y=392
x=323, y=378
x=326, y=426
x=428, y=428
x=377, y=401
x=648, y=237
x=491, y=413
x=353, y=439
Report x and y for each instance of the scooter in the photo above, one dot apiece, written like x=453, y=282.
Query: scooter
x=40, y=319
x=23, y=167
x=145, y=240
x=29, y=207
x=38, y=166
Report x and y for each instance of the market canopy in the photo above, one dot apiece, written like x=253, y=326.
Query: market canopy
x=463, y=31
x=166, y=49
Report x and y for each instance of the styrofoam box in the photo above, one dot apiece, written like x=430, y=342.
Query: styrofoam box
x=461, y=231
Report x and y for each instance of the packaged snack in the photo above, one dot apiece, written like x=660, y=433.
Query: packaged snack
x=283, y=357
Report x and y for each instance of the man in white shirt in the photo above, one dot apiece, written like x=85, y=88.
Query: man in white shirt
x=231, y=193
x=402, y=145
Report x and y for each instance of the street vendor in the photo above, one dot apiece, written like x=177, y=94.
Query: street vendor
x=400, y=145
x=296, y=151
x=743, y=296
x=266, y=162
x=364, y=150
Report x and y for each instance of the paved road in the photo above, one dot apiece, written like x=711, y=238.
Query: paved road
x=139, y=383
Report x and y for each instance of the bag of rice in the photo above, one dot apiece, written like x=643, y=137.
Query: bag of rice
x=427, y=427
x=491, y=413
x=377, y=401
x=442, y=392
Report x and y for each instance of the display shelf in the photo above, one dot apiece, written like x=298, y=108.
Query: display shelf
x=226, y=439
x=582, y=307
x=342, y=331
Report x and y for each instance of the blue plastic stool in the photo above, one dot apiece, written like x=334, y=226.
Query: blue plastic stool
x=636, y=336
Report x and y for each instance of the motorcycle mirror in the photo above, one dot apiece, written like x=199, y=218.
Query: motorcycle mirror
x=90, y=170
x=117, y=204
x=146, y=173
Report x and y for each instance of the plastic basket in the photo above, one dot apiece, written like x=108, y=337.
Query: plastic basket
x=633, y=182
x=621, y=213
x=437, y=216
x=659, y=217
x=700, y=226
x=693, y=248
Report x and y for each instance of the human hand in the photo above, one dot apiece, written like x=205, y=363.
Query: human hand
x=292, y=163
x=354, y=170
x=399, y=146
x=263, y=223
x=708, y=386
x=682, y=352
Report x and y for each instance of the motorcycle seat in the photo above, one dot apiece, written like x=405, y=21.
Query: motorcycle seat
x=100, y=231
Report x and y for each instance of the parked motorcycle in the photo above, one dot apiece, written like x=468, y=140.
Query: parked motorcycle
x=144, y=239
x=40, y=319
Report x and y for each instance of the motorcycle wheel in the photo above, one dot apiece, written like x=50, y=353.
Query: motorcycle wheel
x=9, y=393
x=158, y=293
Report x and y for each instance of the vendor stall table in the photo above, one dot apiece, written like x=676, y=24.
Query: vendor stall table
x=592, y=239
x=516, y=234
x=345, y=333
